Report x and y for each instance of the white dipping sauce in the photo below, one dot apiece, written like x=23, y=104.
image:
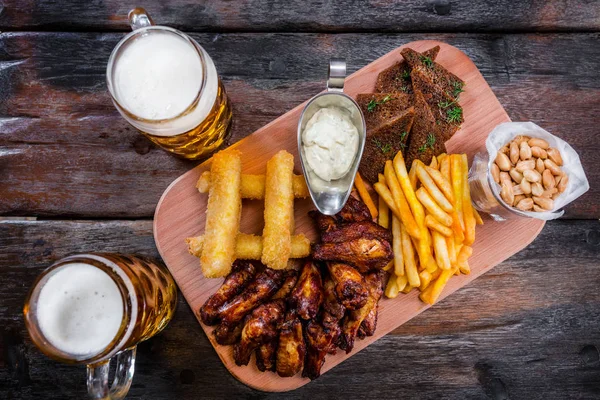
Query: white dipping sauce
x=330, y=142
x=80, y=309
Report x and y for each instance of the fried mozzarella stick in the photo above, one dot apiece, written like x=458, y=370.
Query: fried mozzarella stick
x=222, y=214
x=250, y=247
x=279, y=211
x=253, y=186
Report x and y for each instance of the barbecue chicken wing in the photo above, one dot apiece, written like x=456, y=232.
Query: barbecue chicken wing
x=307, y=295
x=241, y=275
x=228, y=334
x=354, y=319
x=363, y=253
x=356, y=230
x=259, y=290
x=331, y=304
x=353, y=211
x=266, y=356
x=350, y=288
x=321, y=339
x=291, y=348
x=369, y=324
x=291, y=277
x=262, y=326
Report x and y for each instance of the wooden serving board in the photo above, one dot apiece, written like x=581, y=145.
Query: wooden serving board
x=180, y=213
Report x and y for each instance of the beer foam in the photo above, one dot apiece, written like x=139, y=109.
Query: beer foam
x=158, y=75
x=80, y=309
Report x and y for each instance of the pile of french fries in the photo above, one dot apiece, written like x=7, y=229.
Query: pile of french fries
x=432, y=222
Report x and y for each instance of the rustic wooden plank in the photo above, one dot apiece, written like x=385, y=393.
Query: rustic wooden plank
x=526, y=330
x=319, y=16
x=55, y=110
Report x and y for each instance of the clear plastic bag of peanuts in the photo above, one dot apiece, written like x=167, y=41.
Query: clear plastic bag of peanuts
x=485, y=191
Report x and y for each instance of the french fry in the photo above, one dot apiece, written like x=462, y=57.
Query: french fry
x=364, y=195
x=445, y=168
x=425, y=277
x=412, y=174
x=441, y=251
x=451, y=250
x=433, y=208
x=462, y=257
x=442, y=183
x=253, y=186
x=434, y=163
x=477, y=217
x=384, y=193
x=440, y=158
x=249, y=247
x=401, y=282
x=407, y=289
x=389, y=266
x=384, y=210
x=402, y=205
x=397, y=247
x=410, y=265
x=223, y=213
x=467, y=206
x=391, y=289
x=456, y=172
x=433, y=291
x=433, y=190
x=279, y=210
x=433, y=224
x=431, y=265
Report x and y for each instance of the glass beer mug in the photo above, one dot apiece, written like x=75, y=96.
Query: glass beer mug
x=166, y=85
x=86, y=309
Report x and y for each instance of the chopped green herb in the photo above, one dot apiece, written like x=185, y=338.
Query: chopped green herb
x=373, y=104
x=404, y=88
x=458, y=88
x=428, y=144
x=454, y=114
x=385, y=148
x=403, y=135
x=406, y=74
x=446, y=104
x=427, y=61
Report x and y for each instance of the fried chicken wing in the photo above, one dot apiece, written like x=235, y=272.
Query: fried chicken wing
x=365, y=254
x=307, y=295
x=241, y=275
x=369, y=324
x=259, y=290
x=354, y=319
x=350, y=288
x=331, y=304
x=266, y=356
x=291, y=277
x=228, y=334
x=261, y=326
x=291, y=348
x=353, y=211
x=356, y=230
x=320, y=340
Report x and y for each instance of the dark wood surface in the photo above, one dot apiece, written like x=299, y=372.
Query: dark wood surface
x=527, y=330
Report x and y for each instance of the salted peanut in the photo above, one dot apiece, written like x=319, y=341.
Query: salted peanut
x=503, y=162
x=525, y=186
x=555, y=196
x=524, y=151
x=562, y=185
x=504, y=149
x=514, y=152
x=507, y=194
x=538, y=142
x=517, y=190
x=555, y=156
x=545, y=203
x=537, y=189
x=516, y=175
x=518, y=198
x=538, y=208
x=539, y=152
x=548, y=179
x=532, y=175
x=539, y=165
x=521, y=138
x=525, y=204
x=505, y=179
x=495, y=173
x=548, y=193
x=557, y=178
x=551, y=165
x=525, y=165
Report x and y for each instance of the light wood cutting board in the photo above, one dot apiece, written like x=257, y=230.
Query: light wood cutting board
x=180, y=213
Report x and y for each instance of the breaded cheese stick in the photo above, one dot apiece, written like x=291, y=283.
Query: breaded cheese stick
x=279, y=207
x=223, y=213
x=249, y=247
x=253, y=186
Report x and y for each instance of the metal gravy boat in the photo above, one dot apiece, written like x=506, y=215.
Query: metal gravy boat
x=330, y=197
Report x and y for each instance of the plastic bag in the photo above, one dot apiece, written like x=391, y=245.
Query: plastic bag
x=578, y=183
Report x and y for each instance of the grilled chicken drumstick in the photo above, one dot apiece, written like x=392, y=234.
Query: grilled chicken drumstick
x=307, y=295
x=241, y=275
x=291, y=348
x=350, y=288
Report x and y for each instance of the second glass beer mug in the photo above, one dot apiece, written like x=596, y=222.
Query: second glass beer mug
x=87, y=308
x=166, y=85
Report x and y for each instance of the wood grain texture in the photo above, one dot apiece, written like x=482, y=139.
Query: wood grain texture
x=180, y=211
x=528, y=329
x=65, y=151
x=319, y=16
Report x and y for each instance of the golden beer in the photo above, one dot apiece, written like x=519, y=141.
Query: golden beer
x=87, y=308
x=166, y=85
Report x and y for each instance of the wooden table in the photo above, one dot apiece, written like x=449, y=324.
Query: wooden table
x=74, y=177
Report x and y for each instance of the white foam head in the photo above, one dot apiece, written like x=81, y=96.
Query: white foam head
x=80, y=309
x=158, y=75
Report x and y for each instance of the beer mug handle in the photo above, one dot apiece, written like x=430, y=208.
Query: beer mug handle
x=97, y=377
x=139, y=18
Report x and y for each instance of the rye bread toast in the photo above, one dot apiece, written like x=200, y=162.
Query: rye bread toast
x=449, y=83
x=425, y=138
x=397, y=77
x=383, y=143
x=446, y=110
x=381, y=108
